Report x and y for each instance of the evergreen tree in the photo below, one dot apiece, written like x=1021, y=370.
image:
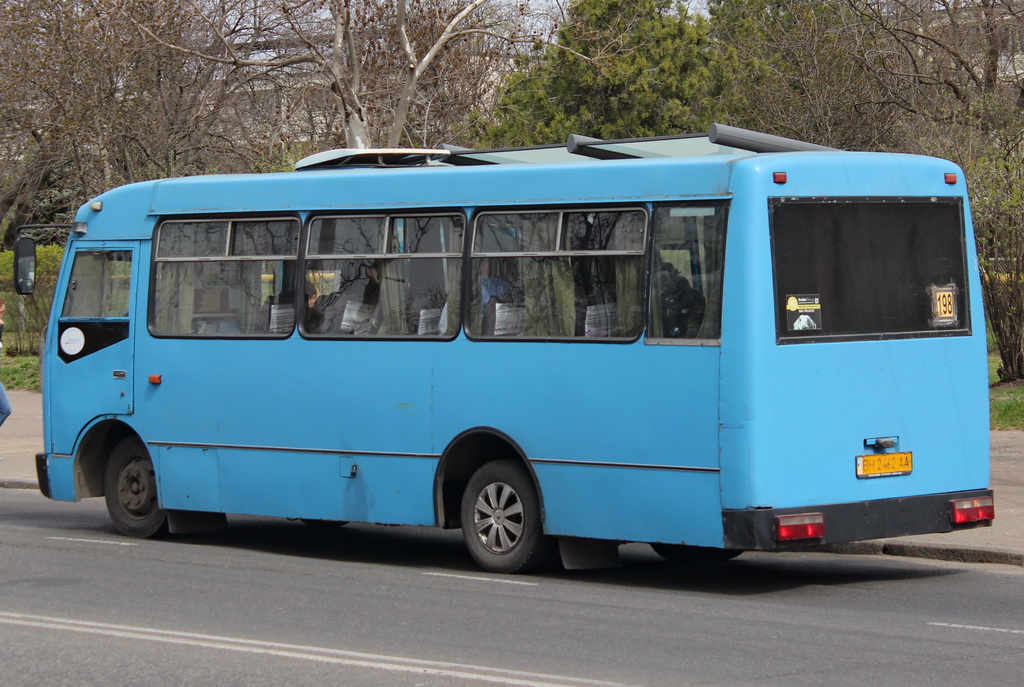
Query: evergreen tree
x=618, y=69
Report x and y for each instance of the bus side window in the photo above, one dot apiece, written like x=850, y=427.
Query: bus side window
x=608, y=281
x=558, y=274
x=384, y=275
x=232, y=277
x=686, y=272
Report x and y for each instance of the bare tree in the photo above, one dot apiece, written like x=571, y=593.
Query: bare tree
x=962, y=50
x=89, y=105
x=375, y=59
x=939, y=77
x=956, y=67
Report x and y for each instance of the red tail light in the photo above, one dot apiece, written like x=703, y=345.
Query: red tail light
x=800, y=526
x=962, y=511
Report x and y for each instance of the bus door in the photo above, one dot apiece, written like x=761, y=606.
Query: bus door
x=90, y=372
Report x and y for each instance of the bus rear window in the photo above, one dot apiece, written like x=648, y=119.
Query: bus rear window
x=868, y=268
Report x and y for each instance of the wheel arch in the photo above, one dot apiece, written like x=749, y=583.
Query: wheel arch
x=463, y=456
x=93, y=453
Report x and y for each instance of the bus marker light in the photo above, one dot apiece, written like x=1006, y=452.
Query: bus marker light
x=950, y=178
x=779, y=177
x=801, y=526
x=155, y=379
x=962, y=511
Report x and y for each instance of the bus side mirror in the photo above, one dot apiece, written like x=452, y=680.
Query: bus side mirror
x=24, y=265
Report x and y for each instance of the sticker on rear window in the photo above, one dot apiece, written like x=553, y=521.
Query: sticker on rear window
x=803, y=312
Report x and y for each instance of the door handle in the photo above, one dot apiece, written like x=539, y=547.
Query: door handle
x=120, y=374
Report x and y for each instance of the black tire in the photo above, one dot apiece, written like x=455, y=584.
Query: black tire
x=129, y=486
x=501, y=520
x=693, y=555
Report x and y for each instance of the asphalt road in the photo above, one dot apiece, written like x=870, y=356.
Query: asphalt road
x=273, y=602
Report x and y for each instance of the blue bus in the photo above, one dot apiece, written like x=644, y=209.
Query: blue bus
x=711, y=343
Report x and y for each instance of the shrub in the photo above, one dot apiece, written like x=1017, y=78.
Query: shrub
x=26, y=316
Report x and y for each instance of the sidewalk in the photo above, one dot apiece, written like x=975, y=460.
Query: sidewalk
x=21, y=439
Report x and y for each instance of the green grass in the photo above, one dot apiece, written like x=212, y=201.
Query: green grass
x=20, y=373
x=1006, y=401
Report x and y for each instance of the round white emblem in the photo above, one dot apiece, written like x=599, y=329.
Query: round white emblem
x=72, y=341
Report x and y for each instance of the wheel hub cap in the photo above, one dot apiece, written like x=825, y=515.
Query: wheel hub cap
x=135, y=488
x=499, y=518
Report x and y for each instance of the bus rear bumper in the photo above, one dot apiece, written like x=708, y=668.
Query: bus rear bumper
x=756, y=529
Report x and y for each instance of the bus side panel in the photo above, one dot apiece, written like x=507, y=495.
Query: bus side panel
x=388, y=489
x=374, y=396
x=280, y=483
x=284, y=436
x=649, y=412
x=632, y=505
x=328, y=487
x=747, y=310
x=187, y=477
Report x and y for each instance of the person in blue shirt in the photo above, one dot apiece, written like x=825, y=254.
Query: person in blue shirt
x=491, y=288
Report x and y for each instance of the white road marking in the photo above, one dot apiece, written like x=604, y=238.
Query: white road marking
x=306, y=653
x=481, y=579
x=95, y=541
x=979, y=627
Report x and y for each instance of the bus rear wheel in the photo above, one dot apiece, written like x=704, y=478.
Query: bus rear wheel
x=501, y=520
x=129, y=486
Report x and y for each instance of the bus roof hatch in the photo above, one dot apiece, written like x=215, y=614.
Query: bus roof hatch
x=372, y=157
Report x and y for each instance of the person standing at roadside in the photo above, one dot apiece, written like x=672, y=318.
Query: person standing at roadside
x=5, y=403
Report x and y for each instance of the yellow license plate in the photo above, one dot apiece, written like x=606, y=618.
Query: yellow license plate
x=885, y=464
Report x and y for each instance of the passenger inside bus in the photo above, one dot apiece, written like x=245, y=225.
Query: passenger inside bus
x=278, y=311
x=349, y=309
x=682, y=307
x=314, y=318
x=501, y=304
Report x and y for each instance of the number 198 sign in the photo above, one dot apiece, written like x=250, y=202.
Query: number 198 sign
x=944, y=310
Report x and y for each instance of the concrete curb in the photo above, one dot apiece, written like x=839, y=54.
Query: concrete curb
x=939, y=552
x=15, y=483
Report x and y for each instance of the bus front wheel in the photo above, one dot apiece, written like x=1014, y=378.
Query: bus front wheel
x=129, y=486
x=501, y=520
